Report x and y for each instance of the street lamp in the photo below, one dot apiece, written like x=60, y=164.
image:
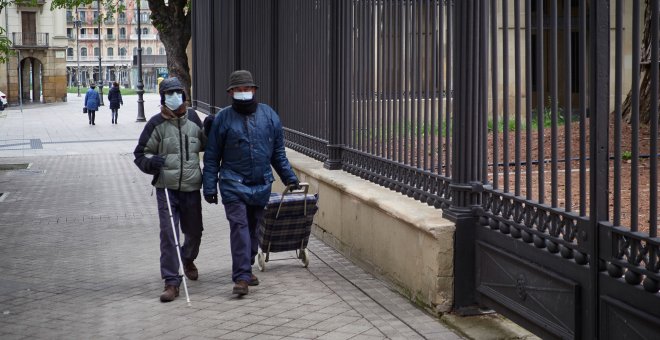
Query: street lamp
x=140, y=85
x=77, y=23
x=98, y=4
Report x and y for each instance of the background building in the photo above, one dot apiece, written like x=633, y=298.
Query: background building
x=38, y=70
x=118, y=51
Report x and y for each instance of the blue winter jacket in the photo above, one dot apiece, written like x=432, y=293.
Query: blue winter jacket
x=92, y=100
x=239, y=153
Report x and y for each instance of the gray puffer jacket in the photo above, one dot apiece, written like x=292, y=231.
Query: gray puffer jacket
x=169, y=148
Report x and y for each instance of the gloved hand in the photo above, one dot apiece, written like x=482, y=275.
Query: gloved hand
x=208, y=122
x=295, y=185
x=211, y=199
x=157, y=162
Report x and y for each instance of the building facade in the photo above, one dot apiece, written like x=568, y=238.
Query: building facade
x=115, y=42
x=38, y=68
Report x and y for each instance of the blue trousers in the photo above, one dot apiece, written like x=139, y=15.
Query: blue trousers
x=243, y=221
x=187, y=213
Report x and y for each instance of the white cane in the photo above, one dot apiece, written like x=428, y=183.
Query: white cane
x=176, y=242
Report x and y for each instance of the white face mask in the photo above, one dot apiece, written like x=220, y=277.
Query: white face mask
x=173, y=101
x=243, y=95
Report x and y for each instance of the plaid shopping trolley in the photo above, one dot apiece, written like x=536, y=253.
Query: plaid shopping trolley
x=286, y=224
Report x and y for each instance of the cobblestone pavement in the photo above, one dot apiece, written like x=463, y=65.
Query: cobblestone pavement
x=79, y=254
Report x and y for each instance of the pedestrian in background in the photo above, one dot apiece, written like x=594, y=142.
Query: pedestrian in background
x=92, y=101
x=245, y=140
x=168, y=149
x=114, y=97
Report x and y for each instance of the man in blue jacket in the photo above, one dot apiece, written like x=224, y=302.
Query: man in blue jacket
x=244, y=141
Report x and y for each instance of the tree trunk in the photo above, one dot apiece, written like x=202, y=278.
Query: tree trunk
x=173, y=24
x=645, y=75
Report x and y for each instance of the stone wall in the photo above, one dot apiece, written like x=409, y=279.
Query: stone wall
x=402, y=241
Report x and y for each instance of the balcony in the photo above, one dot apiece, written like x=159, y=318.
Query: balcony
x=110, y=37
x=29, y=40
x=145, y=37
x=89, y=37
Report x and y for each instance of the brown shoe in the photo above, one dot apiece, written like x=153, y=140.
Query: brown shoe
x=241, y=288
x=169, y=293
x=190, y=270
x=254, y=281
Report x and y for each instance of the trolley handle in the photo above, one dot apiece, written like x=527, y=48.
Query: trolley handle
x=304, y=188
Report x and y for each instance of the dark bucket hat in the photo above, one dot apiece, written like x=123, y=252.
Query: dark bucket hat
x=240, y=78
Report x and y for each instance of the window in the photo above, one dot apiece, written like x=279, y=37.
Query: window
x=161, y=51
x=134, y=50
x=69, y=33
x=96, y=31
x=111, y=52
x=83, y=15
x=83, y=52
x=96, y=15
x=108, y=31
x=145, y=31
x=122, y=33
x=122, y=52
x=69, y=52
x=144, y=17
x=83, y=31
x=96, y=51
x=122, y=18
x=149, y=51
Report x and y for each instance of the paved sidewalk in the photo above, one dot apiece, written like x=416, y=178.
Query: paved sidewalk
x=79, y=255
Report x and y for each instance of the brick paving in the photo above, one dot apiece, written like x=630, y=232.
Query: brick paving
x=79, y=254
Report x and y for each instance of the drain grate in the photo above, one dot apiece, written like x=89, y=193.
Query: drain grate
x=18, y=166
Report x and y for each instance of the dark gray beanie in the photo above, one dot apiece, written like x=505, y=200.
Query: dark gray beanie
x=240, y=78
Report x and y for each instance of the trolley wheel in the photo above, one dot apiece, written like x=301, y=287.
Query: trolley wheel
x=261, y=261
x=304, y=257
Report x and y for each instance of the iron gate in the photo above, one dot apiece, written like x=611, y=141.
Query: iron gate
x=512, y=116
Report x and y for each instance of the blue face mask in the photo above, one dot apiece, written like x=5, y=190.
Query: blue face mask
x=243, y=95
x=173, y=101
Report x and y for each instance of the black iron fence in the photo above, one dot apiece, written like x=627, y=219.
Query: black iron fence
x=509, y=115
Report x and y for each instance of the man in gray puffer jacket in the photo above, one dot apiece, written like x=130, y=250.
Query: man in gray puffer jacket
x=169, y=149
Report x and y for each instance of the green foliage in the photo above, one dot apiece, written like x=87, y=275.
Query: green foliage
x=626, y=155
x=500, y=124
x=5, y=47
x=111, y=7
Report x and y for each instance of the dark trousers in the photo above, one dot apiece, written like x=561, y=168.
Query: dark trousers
x=92, y=115
x=115, y=113
x=243, y=220
x=187, y=213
